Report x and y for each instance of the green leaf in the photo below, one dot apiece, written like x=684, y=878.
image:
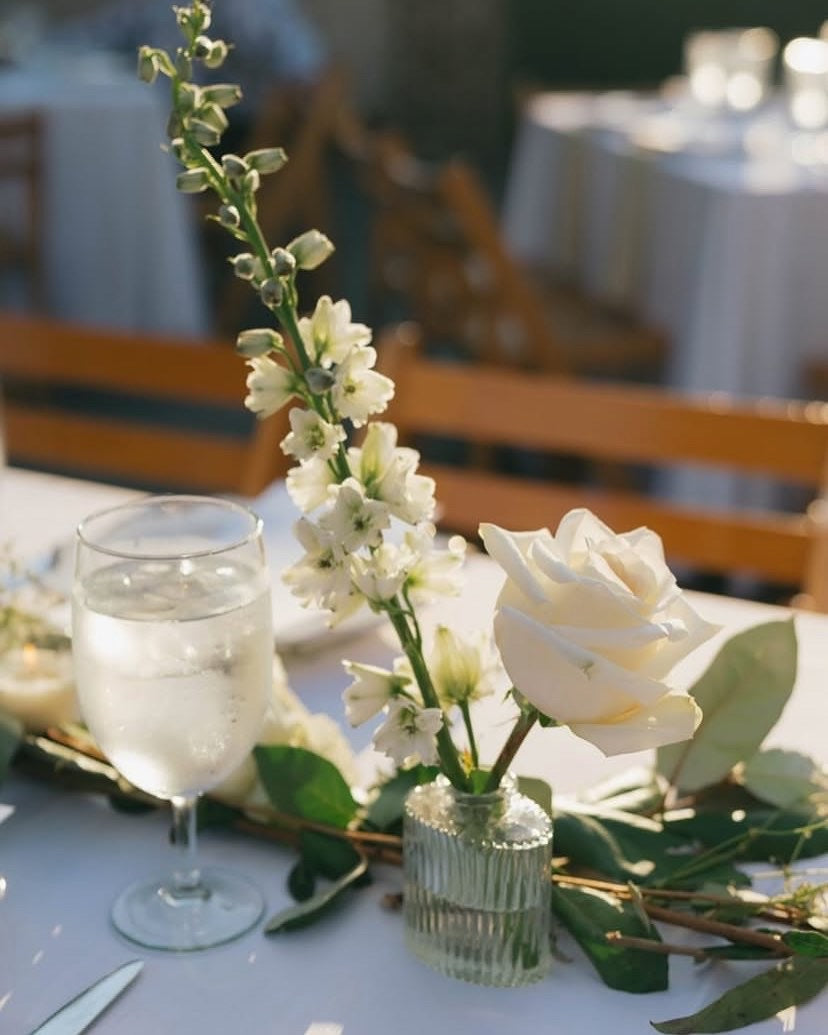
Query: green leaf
x=742, y=695
x=790, y=983
x=589, y=915
x=768, y=835
x=587, y=843
x=312, y=909
x=739, y=952
x=301, y=881
x=328, y=856
x=301, y=783
x=787, y=779
x=385, y=813
x=538, y=790
x=806, y=943
x=11, y=733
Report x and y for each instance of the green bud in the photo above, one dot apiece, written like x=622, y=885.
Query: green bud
x=192, y=181
x=202, y=45
x=235, y=168
x=271, y=292
x=204, y=133
x=178, y=148
x=244, y=265
x=310, y=249
x=225, y=95
x=259, y=341
x=188, y=98
x=218, y=54
x=214, y=116
x=183, y=65
x=251, y=182
x=229, y=217
x=267, y=159
x=283, y=262
x=147, y=65
x=175, y=127
x=319, y=380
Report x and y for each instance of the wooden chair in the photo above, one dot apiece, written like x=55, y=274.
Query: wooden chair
x=785, y=441
x=439, y=250
x=22, y=276
x=121, y=407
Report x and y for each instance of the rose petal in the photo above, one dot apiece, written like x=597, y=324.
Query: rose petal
x=563, y=680
x=673, y=718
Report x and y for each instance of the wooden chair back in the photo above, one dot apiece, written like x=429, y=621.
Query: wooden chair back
x=134, y=421
x=786, y=441
x=438, y=247
x=22, y=276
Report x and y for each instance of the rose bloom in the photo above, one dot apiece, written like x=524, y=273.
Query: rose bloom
x=588, y=625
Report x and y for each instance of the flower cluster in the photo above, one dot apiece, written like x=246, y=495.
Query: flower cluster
x=588, y=623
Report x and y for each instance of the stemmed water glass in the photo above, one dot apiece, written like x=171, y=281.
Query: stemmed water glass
x=172, y=636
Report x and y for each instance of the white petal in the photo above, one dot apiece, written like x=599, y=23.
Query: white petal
x=671, y=719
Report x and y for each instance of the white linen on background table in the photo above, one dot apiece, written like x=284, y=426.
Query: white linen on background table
x=65, y=857
x=119, y=241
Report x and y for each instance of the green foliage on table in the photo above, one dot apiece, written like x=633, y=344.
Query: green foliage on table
x=313, y=908
x=386, y=810
x=742, y=695
x=301, y=783
x=589, y=914
x=790, y=983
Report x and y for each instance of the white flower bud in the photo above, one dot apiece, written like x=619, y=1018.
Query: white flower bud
x=214, y=116
x=218, y=54
x=202, y=45
x=147, y=65
x=310, y=249
x=319, y=380
x=271, y=292
x=189, y=97
x=235, y=168
x=229, y=217
x=244, y=265
x=283, y=262
x=225, y=95
x=192, y=181
x=204, y=133
x=251, y=182
x=267, y=159
x=259, y=341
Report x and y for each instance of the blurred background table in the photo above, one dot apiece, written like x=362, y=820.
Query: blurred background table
x=119, y=243
x=706, y=227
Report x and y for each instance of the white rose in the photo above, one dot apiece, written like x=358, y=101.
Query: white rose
x=589, y=623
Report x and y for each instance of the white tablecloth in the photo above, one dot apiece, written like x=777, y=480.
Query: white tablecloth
x=120, y=242
x=652, y=208
x=65, y=858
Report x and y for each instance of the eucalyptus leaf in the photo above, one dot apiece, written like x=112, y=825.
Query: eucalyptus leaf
x=742, y=695
x=318, y=905
x=301, y=783
x=538, y=790
x=806, y=943
x=588, y=915
x=790, y=983
x=330, y=857
x=587, y=844
x=784, y=778
x=766, y=834
x=301, y=881
x=11, y=733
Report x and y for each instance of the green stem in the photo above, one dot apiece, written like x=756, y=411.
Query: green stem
x=449, y=758
x=525, y=721
x=465, y=712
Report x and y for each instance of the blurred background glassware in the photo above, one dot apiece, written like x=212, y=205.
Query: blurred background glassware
x=805, y=71
x=730, y=69
x=172, y=636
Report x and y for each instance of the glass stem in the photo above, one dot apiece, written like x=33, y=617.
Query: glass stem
x=186, y=877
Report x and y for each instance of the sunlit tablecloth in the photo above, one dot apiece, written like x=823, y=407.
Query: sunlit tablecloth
x=707, y=228
x=66, y=857
x=119, y=241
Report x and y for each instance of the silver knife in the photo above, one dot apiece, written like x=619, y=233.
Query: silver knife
x=80, y=1012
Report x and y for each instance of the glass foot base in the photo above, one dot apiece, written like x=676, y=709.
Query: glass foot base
x=221, y=909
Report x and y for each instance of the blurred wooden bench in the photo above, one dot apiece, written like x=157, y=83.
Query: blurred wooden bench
x=785, y=441
x=22, y=275
x=116, y=406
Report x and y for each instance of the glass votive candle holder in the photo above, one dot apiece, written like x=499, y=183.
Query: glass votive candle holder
x=805, y=67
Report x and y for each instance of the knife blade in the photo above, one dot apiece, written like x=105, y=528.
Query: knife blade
x=76, y=1015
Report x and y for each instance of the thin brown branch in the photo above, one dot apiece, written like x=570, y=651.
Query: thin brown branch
x=718, y=929
x=627, y=941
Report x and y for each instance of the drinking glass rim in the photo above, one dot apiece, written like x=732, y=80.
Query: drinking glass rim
x=254, y=532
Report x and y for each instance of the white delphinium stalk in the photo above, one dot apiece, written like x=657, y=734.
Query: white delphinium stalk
x=388, y=473
x=322, y=576
x=270, y=385
x=371, y=691
x=358, y=390
x=329, y=335
x=309, y=484
x=353, y=520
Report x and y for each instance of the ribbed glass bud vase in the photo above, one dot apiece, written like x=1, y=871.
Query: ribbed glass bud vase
x=476, y=898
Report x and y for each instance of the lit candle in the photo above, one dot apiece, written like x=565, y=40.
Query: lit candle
x=37, y=686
